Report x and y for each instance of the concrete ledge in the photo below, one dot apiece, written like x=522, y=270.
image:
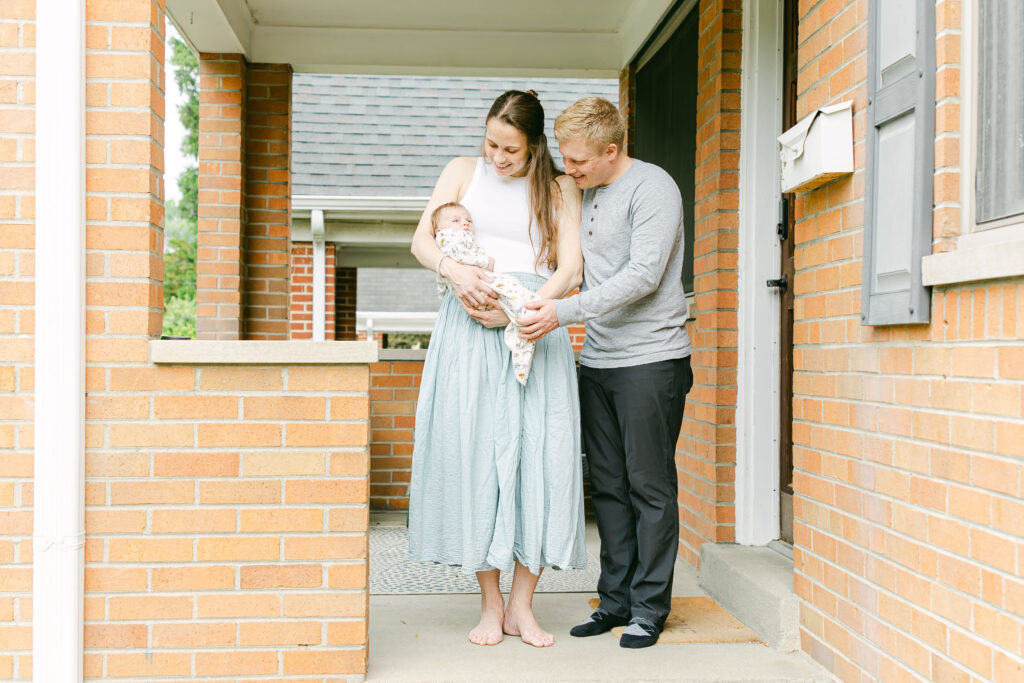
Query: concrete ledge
x=299, y=352
x=403, y=354
x=755, y=584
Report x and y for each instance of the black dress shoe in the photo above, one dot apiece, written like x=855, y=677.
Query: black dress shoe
x=639, y=633
x=598, y=622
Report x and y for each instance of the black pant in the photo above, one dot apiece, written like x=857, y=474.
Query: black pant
x=630, y=420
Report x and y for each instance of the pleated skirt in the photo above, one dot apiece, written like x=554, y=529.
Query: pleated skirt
x=496, y=472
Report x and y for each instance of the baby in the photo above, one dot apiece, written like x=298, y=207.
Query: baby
x=453, y=232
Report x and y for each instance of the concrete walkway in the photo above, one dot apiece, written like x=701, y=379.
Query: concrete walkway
x=424, y=638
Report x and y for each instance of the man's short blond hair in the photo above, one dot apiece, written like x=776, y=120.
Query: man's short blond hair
x=593, y=119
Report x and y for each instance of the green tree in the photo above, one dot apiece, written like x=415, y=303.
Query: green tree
x=182, y=217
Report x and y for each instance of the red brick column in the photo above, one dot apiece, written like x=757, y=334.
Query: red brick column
x=300, y=307
x=707, y=445
x=267, y=201
x=345, y=303
x=394, y=388
x=222, y=95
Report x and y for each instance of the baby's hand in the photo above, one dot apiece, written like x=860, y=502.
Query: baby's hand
x=490, y=263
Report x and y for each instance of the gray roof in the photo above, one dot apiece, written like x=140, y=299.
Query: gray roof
x=396, y=289
x=391, y=135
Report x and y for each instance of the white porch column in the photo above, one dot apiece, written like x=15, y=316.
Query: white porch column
x=757, y=408
x=316, y=224
x=59, y=532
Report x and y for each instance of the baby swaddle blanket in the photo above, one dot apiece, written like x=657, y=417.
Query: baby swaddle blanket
x=461, y=246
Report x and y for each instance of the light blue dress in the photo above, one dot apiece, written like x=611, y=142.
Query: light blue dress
x=496, y=473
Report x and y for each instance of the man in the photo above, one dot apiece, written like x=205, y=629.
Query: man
x=635, y=365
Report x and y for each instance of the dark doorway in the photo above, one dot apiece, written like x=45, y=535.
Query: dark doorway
x=787, y=206
x=666, y=117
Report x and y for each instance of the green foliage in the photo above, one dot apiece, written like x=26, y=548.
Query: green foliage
x=181, y=217
x=188, y=185
x=179, y=317
x=407, y=341
x=180, y=256
x=186, y=75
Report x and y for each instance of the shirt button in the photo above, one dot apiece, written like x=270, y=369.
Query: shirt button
x=595, y=206
x=591, y=219
x=590, y=232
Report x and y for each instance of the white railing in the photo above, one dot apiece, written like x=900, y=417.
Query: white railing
x=388, y=322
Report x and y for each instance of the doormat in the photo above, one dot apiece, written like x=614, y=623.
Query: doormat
x=391, y=572
x=698, y=620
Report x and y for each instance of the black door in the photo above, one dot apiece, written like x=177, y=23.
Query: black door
x=666, y=120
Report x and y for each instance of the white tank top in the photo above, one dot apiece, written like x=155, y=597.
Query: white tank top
x=504, y=227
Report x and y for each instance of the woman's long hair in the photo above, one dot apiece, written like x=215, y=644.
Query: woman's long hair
x=522, y=111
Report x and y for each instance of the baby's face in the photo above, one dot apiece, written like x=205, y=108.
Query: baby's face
x=455, y=217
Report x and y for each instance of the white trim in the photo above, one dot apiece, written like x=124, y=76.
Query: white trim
x=386, y=322
x=757, y=396
x=58, y=557
x=339, y=207
x=589, y=54
x=968, y=115
x=292, y=352
x=319, y=276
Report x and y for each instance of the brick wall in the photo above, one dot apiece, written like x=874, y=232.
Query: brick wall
x=17, y=267
x=222, y=95
x=908, y=440
x=394, y=388
x=226, y=507
x=300, y=304
x=345, y=303
x=267, y=200
x=244, y=197
x=706, y=454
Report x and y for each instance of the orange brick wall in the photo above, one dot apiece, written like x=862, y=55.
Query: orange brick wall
x=226, y=507
x=267, y=200
x=301, y=296
x=17, y=267
x=219, y=273
x=706, y=452
x=394, y=388
x=244, y=199
x=908, y=440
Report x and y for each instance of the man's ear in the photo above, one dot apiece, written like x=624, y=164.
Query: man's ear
x=611, y=151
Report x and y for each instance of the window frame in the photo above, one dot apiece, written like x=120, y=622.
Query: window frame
x=989, y=250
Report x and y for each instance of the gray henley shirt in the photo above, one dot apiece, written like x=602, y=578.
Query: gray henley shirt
x=632, y=296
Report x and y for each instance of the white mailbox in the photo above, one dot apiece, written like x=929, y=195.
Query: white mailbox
x=817, y=149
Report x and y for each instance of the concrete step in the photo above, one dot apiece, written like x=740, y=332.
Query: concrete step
x=755, y=584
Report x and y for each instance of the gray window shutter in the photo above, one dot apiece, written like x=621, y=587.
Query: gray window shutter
x=899, y=160
x=1000, y=178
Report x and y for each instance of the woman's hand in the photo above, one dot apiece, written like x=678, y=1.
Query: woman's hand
x=492, y=317
x=469, y=283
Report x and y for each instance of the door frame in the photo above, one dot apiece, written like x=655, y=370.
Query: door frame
x=757, y=400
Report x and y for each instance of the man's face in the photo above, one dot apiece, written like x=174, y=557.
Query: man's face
x=588, y=165
x=455, y=217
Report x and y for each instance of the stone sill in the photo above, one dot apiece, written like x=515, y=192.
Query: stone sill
x=987, y=255
x=298, y=352
x=403, y=354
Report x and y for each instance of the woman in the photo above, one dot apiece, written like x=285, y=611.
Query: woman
x=496, y=481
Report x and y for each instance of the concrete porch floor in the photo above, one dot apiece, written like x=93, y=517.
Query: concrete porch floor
x=424, y=638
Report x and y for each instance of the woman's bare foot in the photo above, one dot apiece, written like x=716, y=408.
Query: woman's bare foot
x=488, y=631
x=520, y=621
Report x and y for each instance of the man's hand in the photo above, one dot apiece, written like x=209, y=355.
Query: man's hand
x=534, y=327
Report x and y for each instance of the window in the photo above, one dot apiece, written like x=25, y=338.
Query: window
x=999, y=179
x=991, y=241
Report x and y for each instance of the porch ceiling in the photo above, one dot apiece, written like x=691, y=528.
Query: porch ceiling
x=449, y=37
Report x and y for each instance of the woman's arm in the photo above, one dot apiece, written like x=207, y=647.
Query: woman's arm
x=569, y=273
x=467, y=281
